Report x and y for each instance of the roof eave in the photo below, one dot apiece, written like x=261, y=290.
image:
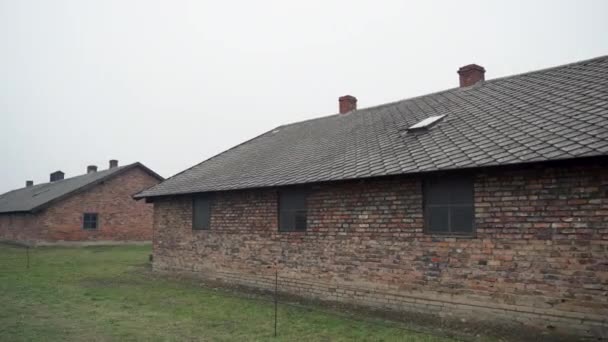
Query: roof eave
x=10, y=212
x=139, y=195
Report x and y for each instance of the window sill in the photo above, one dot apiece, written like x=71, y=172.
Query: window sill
x=455, y=236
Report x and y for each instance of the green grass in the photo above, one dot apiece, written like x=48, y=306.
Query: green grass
x=109, y=294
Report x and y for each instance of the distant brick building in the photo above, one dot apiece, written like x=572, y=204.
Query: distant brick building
x=96, y=207
x=487, y=202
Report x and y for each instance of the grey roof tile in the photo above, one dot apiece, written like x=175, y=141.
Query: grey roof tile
x=39, y=195
x=555, y=113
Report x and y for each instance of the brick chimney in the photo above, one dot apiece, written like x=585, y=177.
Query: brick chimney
x=91, y=168
x=471, y=74
x=56, y=176
x=29, y=183
x=348, y=103
x=113, y=163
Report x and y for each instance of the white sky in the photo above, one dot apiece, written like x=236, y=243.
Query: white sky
x=171, y=83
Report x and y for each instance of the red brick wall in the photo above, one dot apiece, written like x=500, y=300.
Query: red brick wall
x=540, y=255
x=120, y=218
x=18, y=227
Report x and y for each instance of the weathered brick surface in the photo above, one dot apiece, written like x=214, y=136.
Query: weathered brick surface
x=120, y=217
x=539, y=257
x=18, y=227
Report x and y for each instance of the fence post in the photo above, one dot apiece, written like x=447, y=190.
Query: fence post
x=276, y=290
x=27, y=253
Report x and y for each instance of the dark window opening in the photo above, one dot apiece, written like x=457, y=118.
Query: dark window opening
x=292, y=210
x=201, y=213
x=449, y=206
x=89, y=221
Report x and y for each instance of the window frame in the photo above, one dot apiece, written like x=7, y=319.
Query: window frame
x=468, y=178
x=85, y=221
x=300, y=191
x=203, y=197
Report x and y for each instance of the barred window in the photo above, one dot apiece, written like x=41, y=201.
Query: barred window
x=201, y=212
x=89, y=221
x=448, y=205
x=292, y=210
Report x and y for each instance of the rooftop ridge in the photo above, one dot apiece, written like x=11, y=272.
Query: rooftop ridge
x=66, y=179
x=382, y=105
x=33, y=198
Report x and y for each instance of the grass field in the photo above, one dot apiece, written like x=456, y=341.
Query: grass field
x=109, y=294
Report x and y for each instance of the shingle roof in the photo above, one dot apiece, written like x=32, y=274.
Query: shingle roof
x=555, y=113
x=38, y=196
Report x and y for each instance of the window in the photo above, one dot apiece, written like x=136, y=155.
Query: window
x=292, y=210
x=201, y=212
x=448, y=205
x=89, y=221
x=426, y=123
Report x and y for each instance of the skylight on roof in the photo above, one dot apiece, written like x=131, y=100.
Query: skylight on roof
x=41, y=192
x=426, y=123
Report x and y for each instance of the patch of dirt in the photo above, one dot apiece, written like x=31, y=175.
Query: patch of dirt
x=229, y=325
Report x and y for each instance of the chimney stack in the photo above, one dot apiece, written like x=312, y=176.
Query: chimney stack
x=29, y=183
x=56, y=176
x=113, y=163
x=471, y=74
x=347, y=103
x=91, y=168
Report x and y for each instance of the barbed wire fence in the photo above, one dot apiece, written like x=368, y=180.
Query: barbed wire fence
x=25, y=254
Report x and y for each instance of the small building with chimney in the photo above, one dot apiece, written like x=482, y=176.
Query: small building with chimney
x=484, y=202
x=93, y=208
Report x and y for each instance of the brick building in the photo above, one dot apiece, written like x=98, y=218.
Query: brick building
x=96, y=207
x=487, y=202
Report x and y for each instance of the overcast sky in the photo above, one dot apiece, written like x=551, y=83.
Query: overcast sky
x=171, y=83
